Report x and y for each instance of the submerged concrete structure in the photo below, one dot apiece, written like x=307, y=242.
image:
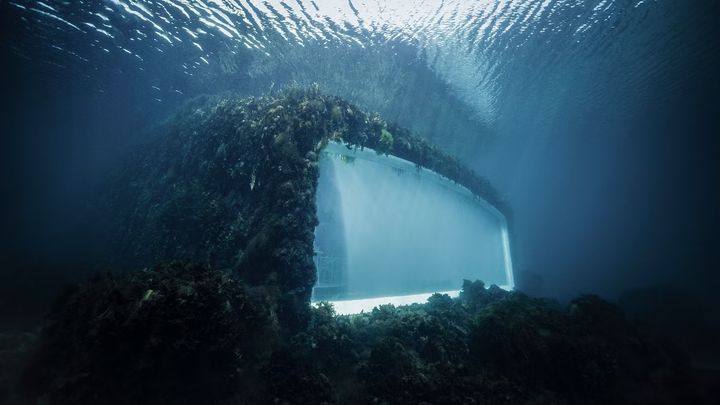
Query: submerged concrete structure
x=231, y=183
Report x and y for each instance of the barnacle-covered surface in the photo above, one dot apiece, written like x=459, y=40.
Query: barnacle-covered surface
x=230, y=183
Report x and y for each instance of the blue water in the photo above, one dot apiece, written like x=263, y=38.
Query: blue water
x=596, y=119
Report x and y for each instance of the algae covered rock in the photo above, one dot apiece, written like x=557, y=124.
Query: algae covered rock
x=229, y=183
x=171, y=334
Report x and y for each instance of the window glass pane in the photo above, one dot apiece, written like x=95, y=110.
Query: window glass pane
x=389, y=228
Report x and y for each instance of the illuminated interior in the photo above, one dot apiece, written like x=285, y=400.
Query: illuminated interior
x=392, y=232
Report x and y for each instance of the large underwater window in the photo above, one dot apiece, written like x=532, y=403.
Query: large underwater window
x=392, y=232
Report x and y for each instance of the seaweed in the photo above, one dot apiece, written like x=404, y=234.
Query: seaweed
x=175, y=333
x=386, y=141
x=182, y=333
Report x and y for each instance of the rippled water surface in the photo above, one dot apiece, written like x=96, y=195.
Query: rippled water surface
x=479, y=48
x=590, y=116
